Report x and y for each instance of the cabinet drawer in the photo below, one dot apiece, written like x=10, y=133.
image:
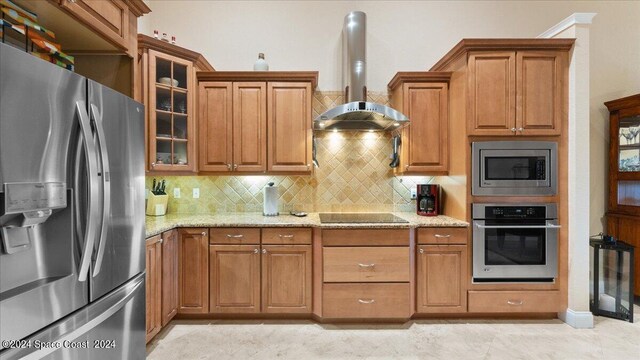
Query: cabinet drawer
x=365, y=237
x=277, y=236
x=382, y=301
x=366, y=264
x=234, y=236
x=514, y=301
x=442, y=235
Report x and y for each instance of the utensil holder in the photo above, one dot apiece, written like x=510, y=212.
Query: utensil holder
x=157, y=205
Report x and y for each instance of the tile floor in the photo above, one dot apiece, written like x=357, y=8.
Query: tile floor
x=422, y=339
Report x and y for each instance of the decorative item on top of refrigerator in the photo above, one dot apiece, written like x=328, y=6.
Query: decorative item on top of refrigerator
x=270, y=200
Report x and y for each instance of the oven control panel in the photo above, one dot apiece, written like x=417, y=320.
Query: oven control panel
x=515, y=212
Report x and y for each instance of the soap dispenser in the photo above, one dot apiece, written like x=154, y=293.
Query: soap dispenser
x=270, y=200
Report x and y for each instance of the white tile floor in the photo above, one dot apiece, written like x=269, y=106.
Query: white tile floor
x=423, y=339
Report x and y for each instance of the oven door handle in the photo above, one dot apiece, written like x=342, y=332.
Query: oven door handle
x=548, y=226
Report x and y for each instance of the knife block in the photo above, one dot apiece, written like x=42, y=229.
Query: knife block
x=157, y=204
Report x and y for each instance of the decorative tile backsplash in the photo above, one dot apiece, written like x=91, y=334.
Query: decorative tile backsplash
x=354, y=175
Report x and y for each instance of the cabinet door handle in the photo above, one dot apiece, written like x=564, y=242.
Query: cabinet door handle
x=421, y=251
x=515, y=302
x=513, y=129
x=239, y=236
x=366, y=301
x=521, y=129
x=264, y=251
x=442, y=236
x=235, y=166
x=366, y=265
x=204, y=233
x=286, y=236
x=255, y=251
x=229, y=166
x=161, y=241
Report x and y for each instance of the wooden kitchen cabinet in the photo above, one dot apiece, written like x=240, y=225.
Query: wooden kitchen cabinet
x=233, y=126
x=234, y=278
x=109, y=18
x=424, y=98
x=255, y=122
x=516, y=92
x=290, y=126
x=286, y=279
x=169, y=275
x=193, y=270
x=168, y=91
x=441, y=279
x=153, y=286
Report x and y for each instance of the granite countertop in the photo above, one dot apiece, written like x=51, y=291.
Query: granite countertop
x=158, y=224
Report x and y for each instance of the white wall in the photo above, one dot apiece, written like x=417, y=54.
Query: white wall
x=405, y=35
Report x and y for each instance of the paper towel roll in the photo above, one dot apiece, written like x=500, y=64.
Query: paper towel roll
x=270, y=201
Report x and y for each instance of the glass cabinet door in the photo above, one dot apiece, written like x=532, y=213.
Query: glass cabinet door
x=171, y=119
x=629, y=141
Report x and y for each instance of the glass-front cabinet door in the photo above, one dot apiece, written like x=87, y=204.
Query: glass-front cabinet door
x=171, y=120
x=629, y=140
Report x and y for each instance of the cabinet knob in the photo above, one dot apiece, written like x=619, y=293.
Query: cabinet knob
x=229, y=166
x=421, y=251
x=235, y=166
x=264, y=251
x=521, y=129
x=204, y=233
x=255, y=251
x=161, y=241
x=406, y=167
x=153, y=164
x=308, y=166
x=513, y=129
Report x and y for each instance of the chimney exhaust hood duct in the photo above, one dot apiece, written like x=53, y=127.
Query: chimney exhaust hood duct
x=357, y=113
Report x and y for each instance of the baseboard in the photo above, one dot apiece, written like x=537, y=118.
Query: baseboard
x=577, y=319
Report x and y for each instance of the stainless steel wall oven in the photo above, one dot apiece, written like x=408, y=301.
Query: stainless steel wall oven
x=515, y=243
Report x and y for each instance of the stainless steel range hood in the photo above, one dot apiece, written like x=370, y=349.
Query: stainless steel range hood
x=357, y=113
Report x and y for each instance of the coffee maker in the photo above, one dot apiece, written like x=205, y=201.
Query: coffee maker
x=428, y=199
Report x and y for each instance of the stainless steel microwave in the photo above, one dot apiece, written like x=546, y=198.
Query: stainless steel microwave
x=514, y=168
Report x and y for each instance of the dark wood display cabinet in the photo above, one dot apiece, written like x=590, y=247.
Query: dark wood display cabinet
x=623, y=215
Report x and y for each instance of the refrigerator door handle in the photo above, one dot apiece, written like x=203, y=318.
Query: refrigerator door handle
x=89, y=148
x=96, y=119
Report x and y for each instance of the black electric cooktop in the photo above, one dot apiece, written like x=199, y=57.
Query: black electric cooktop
x=340, y=218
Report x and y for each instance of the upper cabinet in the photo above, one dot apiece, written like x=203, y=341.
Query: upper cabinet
x=168, y=92
x=255, y=122
x=512, y=87
x=516, y=92
x=424, y=98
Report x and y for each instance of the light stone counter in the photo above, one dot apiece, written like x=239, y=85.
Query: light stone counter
x=158, y=224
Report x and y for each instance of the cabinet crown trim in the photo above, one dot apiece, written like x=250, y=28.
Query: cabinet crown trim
x=138, y=7
x=419, y=76
x=281, y=76
x=466, y=45
x=199, y=61
x=622, y=103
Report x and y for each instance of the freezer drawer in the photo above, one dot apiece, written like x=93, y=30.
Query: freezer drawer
x=111, y=328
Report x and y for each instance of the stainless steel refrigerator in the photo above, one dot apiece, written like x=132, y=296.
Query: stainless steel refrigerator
x=72, y=263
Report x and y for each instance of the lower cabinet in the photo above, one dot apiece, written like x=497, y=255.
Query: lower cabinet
x=153, y=285
x=514, y=301
x=193, y=271
x=169, y=275
x=441, y=279
x=261, y=278
x=234, y=278
x=286, y=279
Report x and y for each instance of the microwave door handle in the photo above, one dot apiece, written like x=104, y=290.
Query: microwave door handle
x=88, y=146
x=548, y=226
x=96, y=119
